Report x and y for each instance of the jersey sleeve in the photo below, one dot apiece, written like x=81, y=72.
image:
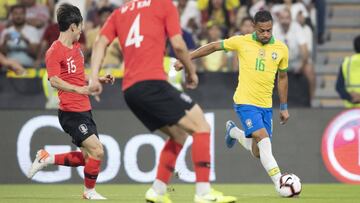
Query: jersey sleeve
x=284, y=63
x=109, y=28
x=53, y=65
x=232, y=43
x=172, y=22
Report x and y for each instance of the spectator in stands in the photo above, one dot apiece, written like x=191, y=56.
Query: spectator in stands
x=189, y=17
x=4, y=12
x=220, y=12
x=257, y=5
x=189, y=41
x=83, y=5
x=217, y=61
x=306, y=31
x=348, y=80
x=113, y=58
x=37, y=15
x=5, y=7
x=12, y=65
x=320, y=6
x=190, y=25
x=51, y=34
x=294, y=7
x=92, y=17
x=20, y=41
x=292, y=34
x=246, y=27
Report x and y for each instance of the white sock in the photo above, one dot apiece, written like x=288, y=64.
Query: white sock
x=88, y=189
x=268, y=161
x=202, y=188
x=238, y=134
x=50, y=159
x=159, y=187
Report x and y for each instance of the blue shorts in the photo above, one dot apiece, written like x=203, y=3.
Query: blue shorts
x=254, y=118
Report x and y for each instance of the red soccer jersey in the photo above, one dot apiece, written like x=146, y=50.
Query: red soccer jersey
x=142, y=27
x=68, y=65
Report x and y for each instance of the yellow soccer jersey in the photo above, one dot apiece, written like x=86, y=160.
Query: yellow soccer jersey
x=258, y=65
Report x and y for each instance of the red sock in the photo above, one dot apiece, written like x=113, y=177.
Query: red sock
x=91, y=172
x=167, y=161
x=72, y=159
x=201, y=156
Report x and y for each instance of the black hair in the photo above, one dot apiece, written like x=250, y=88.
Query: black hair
x=262, y=16
x=16, y=6
x=357, y=44
x=106, y=9
x=68, y=14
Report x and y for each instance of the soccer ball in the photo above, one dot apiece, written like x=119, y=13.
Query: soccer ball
x=290, y=185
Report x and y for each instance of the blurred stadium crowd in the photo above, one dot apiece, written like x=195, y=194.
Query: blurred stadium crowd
x=28, y=27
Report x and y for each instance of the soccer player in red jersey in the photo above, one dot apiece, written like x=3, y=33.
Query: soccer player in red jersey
x=65, y=67
x=142, y=27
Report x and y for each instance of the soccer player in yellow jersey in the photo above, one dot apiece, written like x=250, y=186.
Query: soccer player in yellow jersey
x=261, y=57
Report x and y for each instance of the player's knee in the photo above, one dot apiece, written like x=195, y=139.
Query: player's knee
x=202, y=127
x=100, y=152
x=97, y=152
x=257, y=137
x=255, y=153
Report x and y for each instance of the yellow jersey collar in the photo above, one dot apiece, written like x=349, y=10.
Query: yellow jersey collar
x=254, y=37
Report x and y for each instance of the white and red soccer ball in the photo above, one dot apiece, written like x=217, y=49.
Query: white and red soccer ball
x=290, y=185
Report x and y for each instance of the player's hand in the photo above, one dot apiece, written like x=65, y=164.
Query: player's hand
x=95, y=86
x=284, y=116
x=192, y=81
x=108, y=79
x=178, y=66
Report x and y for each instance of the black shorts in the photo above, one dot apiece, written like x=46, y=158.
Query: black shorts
x=79, y=125
x=156, y=103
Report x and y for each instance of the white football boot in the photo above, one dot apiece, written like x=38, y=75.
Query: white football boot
x=93, y=195
x=39, y=163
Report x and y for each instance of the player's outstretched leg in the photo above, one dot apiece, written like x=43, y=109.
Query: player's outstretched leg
x=194, y=121
x=201, y=161
x=233, y=133
x=71, y=159
x=95, y=153
x=168, y=156
x=266, y=156
x=42, y=160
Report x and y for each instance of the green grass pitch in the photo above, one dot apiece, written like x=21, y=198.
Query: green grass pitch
x=180, y=193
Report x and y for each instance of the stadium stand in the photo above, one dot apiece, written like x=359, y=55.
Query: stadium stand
x=341, y=29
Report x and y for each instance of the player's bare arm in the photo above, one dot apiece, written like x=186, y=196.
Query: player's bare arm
x=60, y=84
x=283, y=95
x=206, y=49
x=96, y=58
x=202, y=51
x=182, y=54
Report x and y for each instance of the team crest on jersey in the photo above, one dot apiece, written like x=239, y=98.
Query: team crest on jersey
x=274, y=56
x=249, y=123
x=261, y=53
x=83, y=129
